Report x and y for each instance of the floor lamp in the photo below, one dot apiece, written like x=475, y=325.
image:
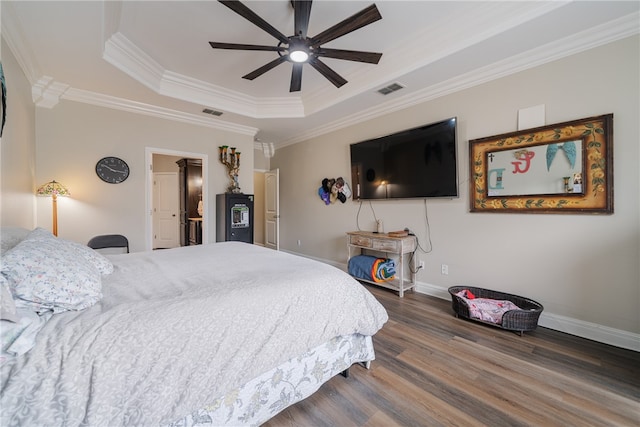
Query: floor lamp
x=53, y=189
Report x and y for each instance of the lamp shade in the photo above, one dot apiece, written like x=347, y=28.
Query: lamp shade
x=52, y=188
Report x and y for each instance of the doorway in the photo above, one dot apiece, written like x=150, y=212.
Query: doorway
x=154, y=226
x=272, y=209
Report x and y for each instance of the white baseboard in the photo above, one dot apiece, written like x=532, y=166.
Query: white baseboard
x=580, y=328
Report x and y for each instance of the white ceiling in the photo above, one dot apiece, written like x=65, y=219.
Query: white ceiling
x=153, y=57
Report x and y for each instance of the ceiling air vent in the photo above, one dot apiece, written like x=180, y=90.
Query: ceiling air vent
x=212, y=112
x=391, y=88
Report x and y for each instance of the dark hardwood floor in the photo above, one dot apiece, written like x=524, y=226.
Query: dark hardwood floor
x=434, y=369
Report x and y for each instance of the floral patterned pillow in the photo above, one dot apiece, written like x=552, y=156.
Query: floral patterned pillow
x=99, y=261
x=48, y=274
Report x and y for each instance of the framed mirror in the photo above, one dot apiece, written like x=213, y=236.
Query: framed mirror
x=561, y=168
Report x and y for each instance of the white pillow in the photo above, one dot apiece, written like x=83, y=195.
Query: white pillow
x=98, y=260
x=48, y=274
x=7, y=305
x=11, y=236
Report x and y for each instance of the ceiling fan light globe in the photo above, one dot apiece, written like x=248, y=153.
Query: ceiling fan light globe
x=298, y=56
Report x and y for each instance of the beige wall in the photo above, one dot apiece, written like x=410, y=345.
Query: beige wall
x=164, y=163
x=583, y=268
x=17, y=204
x=72, y=137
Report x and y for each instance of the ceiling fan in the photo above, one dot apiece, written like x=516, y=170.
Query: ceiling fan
x=298, y=48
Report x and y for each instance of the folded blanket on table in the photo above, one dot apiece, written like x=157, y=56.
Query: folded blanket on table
x=371, y=268
x=488, y=310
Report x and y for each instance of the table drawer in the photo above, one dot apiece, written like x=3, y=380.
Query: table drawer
x=363, y=241
x=385, y=245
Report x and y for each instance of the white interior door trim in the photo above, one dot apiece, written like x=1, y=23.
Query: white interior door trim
x=206, y=216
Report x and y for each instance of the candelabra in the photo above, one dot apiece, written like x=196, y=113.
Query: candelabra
x=231, y=159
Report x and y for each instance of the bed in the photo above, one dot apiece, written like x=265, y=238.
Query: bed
x=221, y=334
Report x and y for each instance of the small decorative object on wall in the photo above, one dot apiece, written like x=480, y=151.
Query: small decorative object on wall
x=334, y=189
x=231, y=159
x=112, y=170
x=561, y=168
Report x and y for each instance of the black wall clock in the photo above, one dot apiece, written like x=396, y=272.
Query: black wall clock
x=112, y=170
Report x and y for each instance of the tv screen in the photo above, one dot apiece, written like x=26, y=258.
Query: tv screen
x=416, y=163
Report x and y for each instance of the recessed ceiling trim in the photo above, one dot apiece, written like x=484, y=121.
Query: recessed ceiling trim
x=606, y=33
x=426, y=50
x=100, y=100
x=46, y=92
x=133, y=61
x=126, y=56
x=12, y=34
x=189, y=89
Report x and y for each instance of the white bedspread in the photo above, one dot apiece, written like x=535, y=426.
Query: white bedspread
x=175, y=329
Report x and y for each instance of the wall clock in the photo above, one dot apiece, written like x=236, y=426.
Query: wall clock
x=112, y=170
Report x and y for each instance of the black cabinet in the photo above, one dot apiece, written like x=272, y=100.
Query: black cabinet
x=234, y=217
x=195, y=231
x=190, y=186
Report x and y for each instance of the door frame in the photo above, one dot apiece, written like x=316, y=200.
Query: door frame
x=149, y=152
x=275, y=172
x=154, y=207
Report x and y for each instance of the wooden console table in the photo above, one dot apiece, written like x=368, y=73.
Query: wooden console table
x=397, y=246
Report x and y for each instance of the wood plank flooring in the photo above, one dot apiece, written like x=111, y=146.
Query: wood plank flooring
x=433, y=369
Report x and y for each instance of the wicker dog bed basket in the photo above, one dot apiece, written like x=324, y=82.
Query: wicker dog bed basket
x=521, y=321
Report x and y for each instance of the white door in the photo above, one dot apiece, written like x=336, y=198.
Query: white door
x=166, y=207
x=272, y=209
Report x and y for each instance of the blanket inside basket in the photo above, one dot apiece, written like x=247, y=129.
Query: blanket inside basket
x=485, y=309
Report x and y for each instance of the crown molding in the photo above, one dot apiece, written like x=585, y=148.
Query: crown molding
x=619, y=29
x=107, y=101
x=133, y=61
x=193, y=90
x=46, y=92
x=267, y=148
x=426, y=49
x=13, y=36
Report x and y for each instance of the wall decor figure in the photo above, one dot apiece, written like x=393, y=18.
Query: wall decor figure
x=332, y=190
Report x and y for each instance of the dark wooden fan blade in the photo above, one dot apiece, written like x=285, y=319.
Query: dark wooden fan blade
x=302, y=11
x=296, y=77
x=352, y=23
x=260, y=71
x=251, y=16
x=237, y=46
x=349, y=55
x=331, y=75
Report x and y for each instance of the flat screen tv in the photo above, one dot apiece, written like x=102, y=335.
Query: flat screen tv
x=415, y=163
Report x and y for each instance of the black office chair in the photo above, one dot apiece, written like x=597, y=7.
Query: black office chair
x=109, y=241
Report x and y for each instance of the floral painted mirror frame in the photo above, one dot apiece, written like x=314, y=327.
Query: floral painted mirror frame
x=593, y=136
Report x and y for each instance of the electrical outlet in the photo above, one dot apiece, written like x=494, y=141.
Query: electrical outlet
x=444, y=269
x=421, y=264
x=299, y=242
